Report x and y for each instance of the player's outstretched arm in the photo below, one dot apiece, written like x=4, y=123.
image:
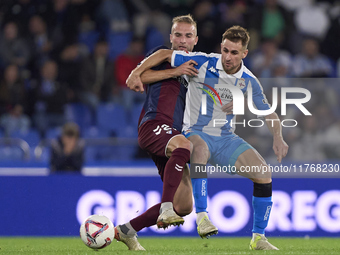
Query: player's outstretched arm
x=151, y=76
x=280, y=147
x=134, y=80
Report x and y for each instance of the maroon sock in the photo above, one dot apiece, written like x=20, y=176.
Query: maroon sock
x=173, y=173
x=147, y=219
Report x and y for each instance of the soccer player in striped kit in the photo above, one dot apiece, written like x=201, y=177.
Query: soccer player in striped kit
x=159, y=133
x=218, y=144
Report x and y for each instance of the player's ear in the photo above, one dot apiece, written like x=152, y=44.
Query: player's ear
x=196, y=40
x=245, y=53
x=171, y=38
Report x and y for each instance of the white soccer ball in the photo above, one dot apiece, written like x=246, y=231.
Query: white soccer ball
x=97, y=231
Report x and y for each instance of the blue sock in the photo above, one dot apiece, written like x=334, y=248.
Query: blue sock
x=200, y=190
x=262, y=207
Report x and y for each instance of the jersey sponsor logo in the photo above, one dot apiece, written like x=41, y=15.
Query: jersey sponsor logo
x=210, y=94
x=212, y=69
x=164, y=127
x=225, y=93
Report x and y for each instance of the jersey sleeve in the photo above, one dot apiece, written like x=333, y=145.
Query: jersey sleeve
x=180, y=57
x=259, y=98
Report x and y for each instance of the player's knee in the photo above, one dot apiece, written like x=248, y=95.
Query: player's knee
x=185, y=144
x=180, y=142
x=201, y=151
x=261, y=180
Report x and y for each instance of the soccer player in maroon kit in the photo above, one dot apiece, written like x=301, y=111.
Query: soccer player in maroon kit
x=159, y=133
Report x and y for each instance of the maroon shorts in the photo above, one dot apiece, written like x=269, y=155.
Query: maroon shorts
x=153, y=137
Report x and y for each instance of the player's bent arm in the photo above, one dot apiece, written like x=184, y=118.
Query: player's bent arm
x=187, y=68
x=151, y=76
x=134, y=80
x=155, y=59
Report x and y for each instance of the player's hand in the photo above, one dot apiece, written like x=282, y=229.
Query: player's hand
x=187, y=68
x=280, y=148
x=134, y=82
x=228, y=108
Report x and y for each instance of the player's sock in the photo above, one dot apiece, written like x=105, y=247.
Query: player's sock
x=146, y=219
x=199, y=182
x=199, y=187
x=200, y=216
x=262, y=205
x=166, y=206
x=173, y=173
x=127, y=229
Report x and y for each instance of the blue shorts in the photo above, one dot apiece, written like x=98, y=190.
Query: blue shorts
x=224, y=150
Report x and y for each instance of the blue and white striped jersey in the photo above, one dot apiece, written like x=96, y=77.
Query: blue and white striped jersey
x=211, y=85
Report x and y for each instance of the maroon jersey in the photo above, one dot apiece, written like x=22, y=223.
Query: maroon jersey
x=165, y=100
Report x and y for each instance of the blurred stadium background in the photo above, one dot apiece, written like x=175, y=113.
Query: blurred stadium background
x=67, y=60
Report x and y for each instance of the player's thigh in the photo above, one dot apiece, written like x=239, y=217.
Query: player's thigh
x=251, y=164
x=200, y=153
x=183, y=203
x=154, y=137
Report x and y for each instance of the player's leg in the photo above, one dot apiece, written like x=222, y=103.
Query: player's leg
x=182, y=205
x=183, y=197
x=199, y=158
x=178, y=149
x=262, y=195
x=159, y=139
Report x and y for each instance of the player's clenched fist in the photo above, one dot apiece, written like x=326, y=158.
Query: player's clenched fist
x=134, y=82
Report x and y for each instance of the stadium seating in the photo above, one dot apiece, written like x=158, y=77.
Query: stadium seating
x=94, y=132
x=136, y=110
x=32, y=136
x=89, y=39
x=11, y=153
x=53, y=133
x=80, y=114
x=153, y=39
x=118, y=43
x=111, y=117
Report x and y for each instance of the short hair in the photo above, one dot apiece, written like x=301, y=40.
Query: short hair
x=184, y=19
x=70, y=129
x=236, y=34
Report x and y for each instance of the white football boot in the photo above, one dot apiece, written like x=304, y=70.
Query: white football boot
x=205, y=228
x=260, y=242
x=130, y=240
x=169, y=218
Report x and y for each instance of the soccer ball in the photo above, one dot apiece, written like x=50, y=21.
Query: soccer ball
x=97, y=231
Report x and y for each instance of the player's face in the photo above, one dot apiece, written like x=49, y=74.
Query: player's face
x=183, y=36
x=232, y=55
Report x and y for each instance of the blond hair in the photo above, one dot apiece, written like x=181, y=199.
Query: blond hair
x=184, y=19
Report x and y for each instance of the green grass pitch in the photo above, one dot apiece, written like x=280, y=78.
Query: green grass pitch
x=214, y=245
